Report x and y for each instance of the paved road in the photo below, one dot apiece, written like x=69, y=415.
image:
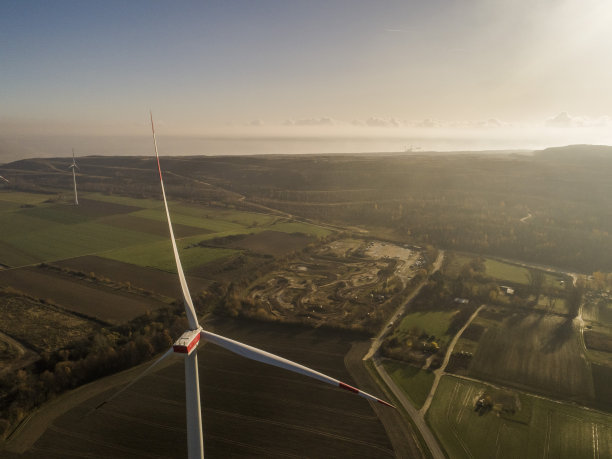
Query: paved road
x=418, y=419
x=376, y=343
x=401, y=433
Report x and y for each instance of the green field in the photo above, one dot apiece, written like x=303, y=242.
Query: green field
x=416, y=383
x=433, y=323
x=48, y=231
x=159, y=255
x=516, y=274
x=538, y=429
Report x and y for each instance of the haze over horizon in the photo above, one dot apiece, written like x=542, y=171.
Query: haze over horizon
x=317, y=77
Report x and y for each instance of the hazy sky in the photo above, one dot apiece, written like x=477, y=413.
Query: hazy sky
x=296, y=67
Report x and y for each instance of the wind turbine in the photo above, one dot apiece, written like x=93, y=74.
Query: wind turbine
x=73, y=166
x=188, y=343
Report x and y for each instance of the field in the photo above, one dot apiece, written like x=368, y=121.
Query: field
x=35, y=324
x=121, y=228
x=124, y=240
x=416, y=383
x=516, y=274
x=598, y=311
x=249, y=409
x=150, y=279
x=552, y=304
x=536, y=351
x=273, y=243
x=434, y=323
x=156, y=255
x=78, y=296
x=500, y=270
x=538, y=428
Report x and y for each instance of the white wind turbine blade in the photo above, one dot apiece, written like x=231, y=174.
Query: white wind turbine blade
x=187, y=344
x=189, y=309
x=253, y=353
x=195, y=442
x=167, y=354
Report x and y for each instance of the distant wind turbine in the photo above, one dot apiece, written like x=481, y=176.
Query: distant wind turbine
x=189, y=340
x=74, y=166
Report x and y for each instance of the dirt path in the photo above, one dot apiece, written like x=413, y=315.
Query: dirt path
x=527, y=217
x=24, y=358
x=441, y=371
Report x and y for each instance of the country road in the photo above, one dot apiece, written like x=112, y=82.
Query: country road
x=418, y=419
x=441, y=371
x=400, y=311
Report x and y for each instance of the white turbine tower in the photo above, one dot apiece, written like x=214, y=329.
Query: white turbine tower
x=187, y=344
x=73, y=166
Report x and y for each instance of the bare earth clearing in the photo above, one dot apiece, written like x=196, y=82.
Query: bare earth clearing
x=342, y=282
x=37, y=324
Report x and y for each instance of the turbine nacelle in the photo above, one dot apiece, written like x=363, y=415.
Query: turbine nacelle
x=187, y=342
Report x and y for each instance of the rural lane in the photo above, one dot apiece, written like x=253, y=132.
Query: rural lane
x=417, y=419
x=400, y=311
x=441, y=371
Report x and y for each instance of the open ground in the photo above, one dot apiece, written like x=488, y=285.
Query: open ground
x=537, y=428
x=248, y=409
x=348, y=281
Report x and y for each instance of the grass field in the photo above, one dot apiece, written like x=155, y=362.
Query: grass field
x=507, y=272
x=516, y=274
x=539, y=429
x=433, y=323
x=121, y=228
x=159, y=255
x=416, y=383
x=14, y=199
